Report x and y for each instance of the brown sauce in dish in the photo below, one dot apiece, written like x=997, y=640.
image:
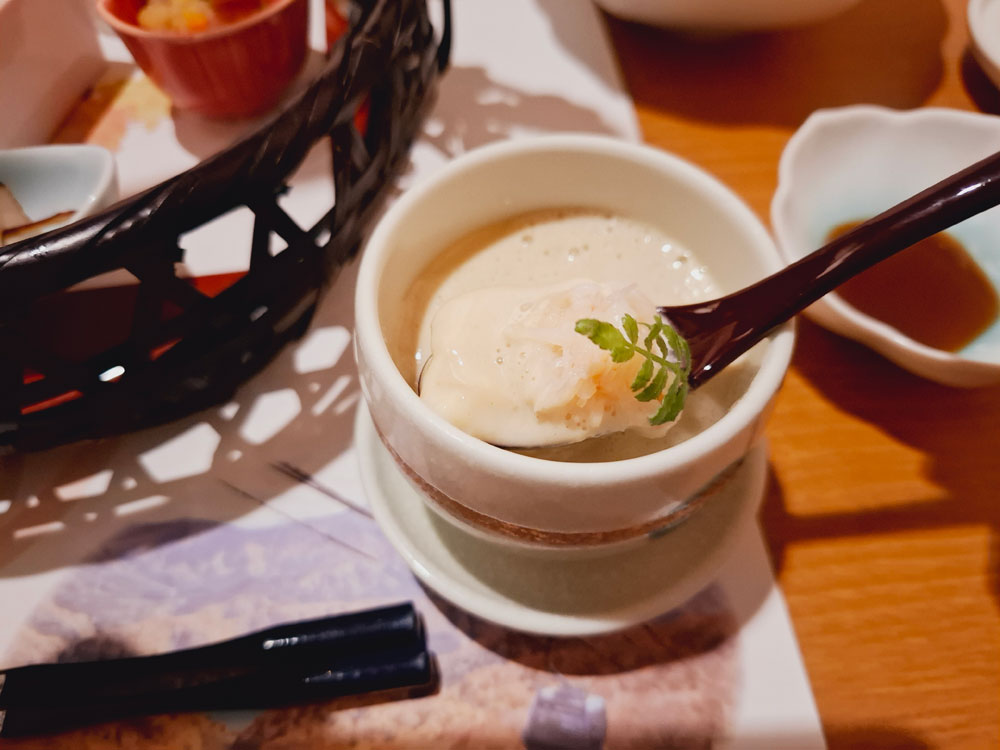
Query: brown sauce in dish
x=933, y=292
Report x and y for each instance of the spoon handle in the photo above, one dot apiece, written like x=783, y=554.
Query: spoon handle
x=740, y=320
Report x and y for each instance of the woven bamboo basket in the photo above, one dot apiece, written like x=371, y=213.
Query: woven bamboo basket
x=186, y=348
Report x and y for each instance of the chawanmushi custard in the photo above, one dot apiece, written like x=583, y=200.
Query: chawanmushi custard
x=492, y=346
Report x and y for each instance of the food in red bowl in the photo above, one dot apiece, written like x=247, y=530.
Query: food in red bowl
x=223, y=58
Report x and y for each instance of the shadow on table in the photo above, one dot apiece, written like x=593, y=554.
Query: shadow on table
x=702, y=626
x=685, y=664
x=210, y=467
x=954, y=429
x=879, y=52
x=471, y=110
x=697, y=643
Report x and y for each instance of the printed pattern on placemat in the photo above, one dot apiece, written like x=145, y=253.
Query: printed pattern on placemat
x=669, y=683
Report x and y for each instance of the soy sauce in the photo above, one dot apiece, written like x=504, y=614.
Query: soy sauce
x=933, y=292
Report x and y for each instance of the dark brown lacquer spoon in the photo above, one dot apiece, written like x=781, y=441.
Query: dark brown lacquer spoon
x=720, y=330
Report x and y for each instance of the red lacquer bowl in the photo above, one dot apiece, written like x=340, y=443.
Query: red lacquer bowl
x=236, y=70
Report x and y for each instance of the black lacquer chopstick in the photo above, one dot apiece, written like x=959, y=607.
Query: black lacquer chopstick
x=415, y=673
x=353, y=639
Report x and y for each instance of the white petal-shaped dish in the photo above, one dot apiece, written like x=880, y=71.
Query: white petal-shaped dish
x=851, y=163
x=47, y=180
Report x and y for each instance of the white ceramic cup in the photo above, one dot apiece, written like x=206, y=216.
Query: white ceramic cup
x=525, y=500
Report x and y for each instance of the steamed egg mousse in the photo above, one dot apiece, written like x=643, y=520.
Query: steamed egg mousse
x=511, y=356
x=510, y=342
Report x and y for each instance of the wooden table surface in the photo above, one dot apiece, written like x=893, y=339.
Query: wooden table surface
x=882, y=513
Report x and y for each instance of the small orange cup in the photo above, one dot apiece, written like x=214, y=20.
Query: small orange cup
x=235, y=70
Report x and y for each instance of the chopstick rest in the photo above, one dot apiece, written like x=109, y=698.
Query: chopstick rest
x=373, y=651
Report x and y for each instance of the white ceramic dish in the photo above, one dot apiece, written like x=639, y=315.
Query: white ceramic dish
x=46, y=180
x=49, y=55
x=563, y=597
x=983, y=17
x=849, y=164
x=530, y=501
x=726, y=15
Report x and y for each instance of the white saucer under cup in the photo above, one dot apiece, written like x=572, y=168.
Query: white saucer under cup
x=560, y=596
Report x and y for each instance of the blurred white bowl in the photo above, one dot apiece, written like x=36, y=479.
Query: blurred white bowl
x=47, y=180
x=726, y=15
x=849, y=164
x=49, y=55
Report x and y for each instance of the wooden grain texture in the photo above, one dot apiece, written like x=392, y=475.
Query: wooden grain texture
x=883, y=509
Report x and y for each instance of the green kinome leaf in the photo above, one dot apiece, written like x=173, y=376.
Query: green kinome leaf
x=673, y=402
x=656, y=368
x=606, y=336
x=655, y=387
x=630, y=327
x=643, y=376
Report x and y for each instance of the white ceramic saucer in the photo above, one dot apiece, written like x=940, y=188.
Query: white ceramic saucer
x=562, y=597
